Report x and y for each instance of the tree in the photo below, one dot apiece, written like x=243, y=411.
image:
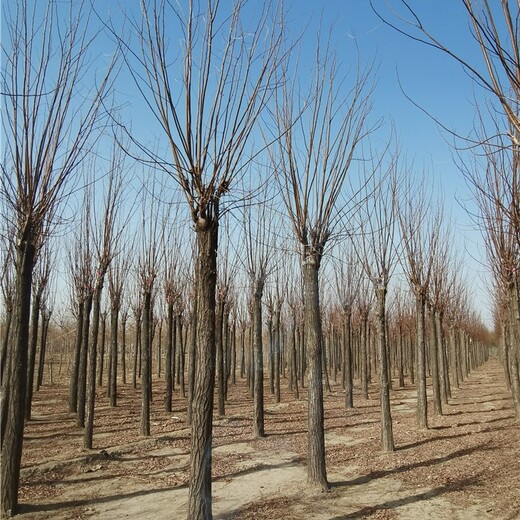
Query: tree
x=50, y=122
x=227, y=74
x=311, y=161
x=420, y=237
x=377, y=253
x=257, y=232
x=348, y=280
x=106, y=234
x=148, y=268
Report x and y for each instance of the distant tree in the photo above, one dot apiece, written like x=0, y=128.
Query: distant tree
x=257, y=222
x=495, y=69
x=420, y=234
x=378, y=255
x=148, y=266
x=347, y=284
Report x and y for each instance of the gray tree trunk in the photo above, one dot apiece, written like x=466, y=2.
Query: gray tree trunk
x=12, y=439
x=316, y=469
x=422, y=404
x=387, y=438
x=258, y=400
x=199, y=501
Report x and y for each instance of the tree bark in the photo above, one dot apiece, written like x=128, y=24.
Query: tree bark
x=123, y=349
x=88, y=434
x=73, y=387
x=31, y=364
x=82, y=375
x=12, y=441
x=316, y=470
x=46, y=318
x=434, y=355
x=114, y=327
x=348, y=373
x=387, y=438
x=258, y=401
x=199, y=502
x=169, y=369
x=363, y=354
x=219, y=338
x=146, y=391
x=422, y=404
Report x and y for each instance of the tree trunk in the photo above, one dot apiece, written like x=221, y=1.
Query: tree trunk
x=46, y=318
x=219, y=338
x=88, y=434
x=82, y=375
x=400, y=367
x=103, y=319
x=123, y=350
x=441, y=352
x=434, y=355
x=146, y=391
x=12, y=441
x=277, y=351
x=422, y=404
x=387, y=438
x=363, y=354
x=316, y=470
x=514, y=348
x=31, y=364
x=192, y=357
x=5, y=340
x=348, y=374
x=294, y=358
x=73, y=387
x=179, y=345
x=114, y=326
x=258, y=401
x=199, y=504
x=168, y=370
x=137, y=348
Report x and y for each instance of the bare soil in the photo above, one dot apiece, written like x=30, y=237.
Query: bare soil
x=465, y=466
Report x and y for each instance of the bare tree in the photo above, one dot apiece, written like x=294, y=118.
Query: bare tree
x=257, y=230
x=377, y=253
x=312, y=160
x=348, y=280
x=117, y=276
x=106, y=235
x=148, y=270
x=224, y=74
x=420, y=236
x=50, y=122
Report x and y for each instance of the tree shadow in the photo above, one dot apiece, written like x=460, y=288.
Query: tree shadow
x=431, y=439
x=407, y=467
x=394, y=504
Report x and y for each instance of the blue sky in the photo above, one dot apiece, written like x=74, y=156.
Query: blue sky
x=431, y=79
x=435, y=82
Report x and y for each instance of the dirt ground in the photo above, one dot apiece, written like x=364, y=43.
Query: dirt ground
x=466, y=466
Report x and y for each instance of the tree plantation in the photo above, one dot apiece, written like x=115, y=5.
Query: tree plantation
x=228, y=290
